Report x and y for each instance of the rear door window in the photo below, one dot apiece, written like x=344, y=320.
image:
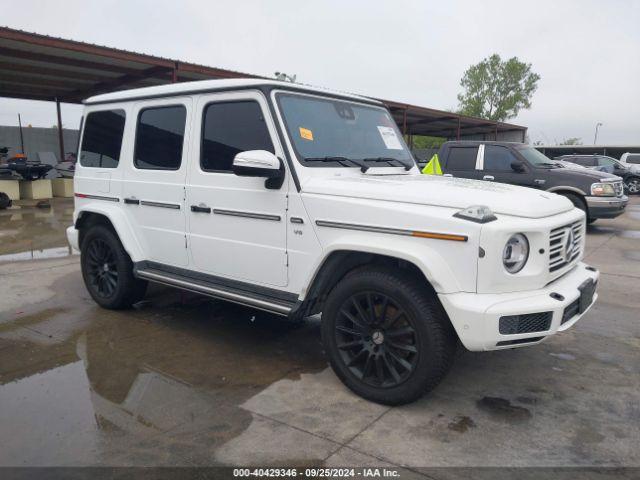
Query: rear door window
x=159, y=138
x=498, y=159
x=634, y=159
x=462, y=158
x=102, y=139
x=585, y=161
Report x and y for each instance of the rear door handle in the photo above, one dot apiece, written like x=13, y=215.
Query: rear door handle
x=538, y=181
x=199, y=209
x=488, y=177
x=132, y=201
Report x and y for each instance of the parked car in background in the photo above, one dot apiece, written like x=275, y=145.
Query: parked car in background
x=607, y=164
x=631, y=161
x=598, y=194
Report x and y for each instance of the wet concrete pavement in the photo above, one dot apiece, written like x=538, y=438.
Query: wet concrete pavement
x=183, y=380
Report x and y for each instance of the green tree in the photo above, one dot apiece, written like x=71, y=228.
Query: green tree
x=572, y=141
x=496, y=89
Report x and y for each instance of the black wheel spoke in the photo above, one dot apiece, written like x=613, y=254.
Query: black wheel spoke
x=102, y=268
x=391, y=368
x=398, y=332
x=354, y=320
x=349, y=331
x=348, y=345
x=376, y=339
x=401, y=361
x=405, y=347
x=359, y=356
x=361, y=312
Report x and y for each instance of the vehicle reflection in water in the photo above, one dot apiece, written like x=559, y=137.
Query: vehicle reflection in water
x=154, y=385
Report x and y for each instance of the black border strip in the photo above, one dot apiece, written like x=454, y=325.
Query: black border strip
x=392, y=231
x=237, y=213
x=148, y=203
x=97, y=197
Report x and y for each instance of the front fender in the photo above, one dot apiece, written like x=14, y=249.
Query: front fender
x=419, y=252
x=120, y=223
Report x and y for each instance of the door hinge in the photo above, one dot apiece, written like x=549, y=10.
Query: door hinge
x=185, y=242
x=286, y=259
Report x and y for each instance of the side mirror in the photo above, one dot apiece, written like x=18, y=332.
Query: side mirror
x=257, y=163
x=517, y=166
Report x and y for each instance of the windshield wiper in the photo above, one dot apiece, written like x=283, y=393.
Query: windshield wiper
x=363, y=166
x=550, y=165
x=407, y=166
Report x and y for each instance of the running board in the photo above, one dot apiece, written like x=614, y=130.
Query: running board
x=216, y=290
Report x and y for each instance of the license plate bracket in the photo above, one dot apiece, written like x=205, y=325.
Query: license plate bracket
x=587, y=290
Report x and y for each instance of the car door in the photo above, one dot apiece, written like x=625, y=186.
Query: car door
x=496, y=166
x=461, y=161
x=153, y=183
x=236, y=226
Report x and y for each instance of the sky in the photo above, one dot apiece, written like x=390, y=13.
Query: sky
x=587, y=52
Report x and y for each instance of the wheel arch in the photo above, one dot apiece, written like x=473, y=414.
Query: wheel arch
x=339, y=262
x=114, y=219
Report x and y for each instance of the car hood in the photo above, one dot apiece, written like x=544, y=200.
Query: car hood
x=584, y=173
x=441, y=191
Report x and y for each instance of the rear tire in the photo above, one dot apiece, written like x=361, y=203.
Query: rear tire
x=107, y=270
x=387, y=336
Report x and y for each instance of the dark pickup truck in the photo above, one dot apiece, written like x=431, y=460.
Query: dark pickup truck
x=598, y=194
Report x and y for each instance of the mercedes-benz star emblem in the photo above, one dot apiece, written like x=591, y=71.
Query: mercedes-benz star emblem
x=377, y=337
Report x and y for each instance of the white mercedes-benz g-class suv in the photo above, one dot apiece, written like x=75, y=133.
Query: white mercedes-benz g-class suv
x=301, y=201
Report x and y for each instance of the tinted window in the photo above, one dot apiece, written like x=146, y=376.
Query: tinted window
x=606, y=161
x=462, y=158
x=159, y=137
x=635, y=159
x=584, y=161
x=498, y=159
x=230, y=128
x=102, y=139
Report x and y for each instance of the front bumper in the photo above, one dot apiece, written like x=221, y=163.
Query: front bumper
x=606, y=207
x=72, y=237
x=476, y=317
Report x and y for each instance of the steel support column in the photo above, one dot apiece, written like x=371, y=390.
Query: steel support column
x=404, y=122
x=60, y=136
x=458, y=130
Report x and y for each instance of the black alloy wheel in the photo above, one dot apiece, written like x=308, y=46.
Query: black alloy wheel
x=376, y=339
x=102, y=270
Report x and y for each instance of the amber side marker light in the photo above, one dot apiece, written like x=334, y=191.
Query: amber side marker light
x=440, y=236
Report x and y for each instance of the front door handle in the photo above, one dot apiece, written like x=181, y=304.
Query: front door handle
x=539, y=181
x=488, y=177
x=132, y=201
x=199, y=209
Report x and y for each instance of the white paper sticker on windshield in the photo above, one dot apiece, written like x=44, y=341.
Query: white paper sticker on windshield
x=390, y=138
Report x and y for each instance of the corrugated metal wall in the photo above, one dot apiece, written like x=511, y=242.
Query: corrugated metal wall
x=36, y=140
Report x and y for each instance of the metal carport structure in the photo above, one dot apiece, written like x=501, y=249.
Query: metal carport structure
x=40, y=67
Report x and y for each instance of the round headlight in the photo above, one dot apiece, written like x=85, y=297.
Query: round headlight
x=515, y=253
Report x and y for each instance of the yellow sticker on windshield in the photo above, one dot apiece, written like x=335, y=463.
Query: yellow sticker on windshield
x=306, y=134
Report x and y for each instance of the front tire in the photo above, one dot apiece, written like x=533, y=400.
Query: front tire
x=633, y=185
x=387, y=336
x=107, y=270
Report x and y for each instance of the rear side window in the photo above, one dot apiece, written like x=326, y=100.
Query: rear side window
x=462, y=158
x=634, y=159
x=102, y=139
x=159, y=138
x=230, y=128
x=585, y=161
x=498, y=159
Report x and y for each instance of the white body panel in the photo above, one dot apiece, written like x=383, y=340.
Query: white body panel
x=380, y=208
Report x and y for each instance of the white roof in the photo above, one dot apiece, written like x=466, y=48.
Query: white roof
x=208, y=85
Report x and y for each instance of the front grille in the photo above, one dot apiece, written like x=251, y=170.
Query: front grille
x=561, y=253
x=570, y=311
x=527, y=323
x=618, y=188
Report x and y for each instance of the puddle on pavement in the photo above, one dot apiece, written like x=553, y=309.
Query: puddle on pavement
x=157, y=385
x=28, y=231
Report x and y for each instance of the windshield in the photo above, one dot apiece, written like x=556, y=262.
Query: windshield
x=536, y=158
x=334, y=133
